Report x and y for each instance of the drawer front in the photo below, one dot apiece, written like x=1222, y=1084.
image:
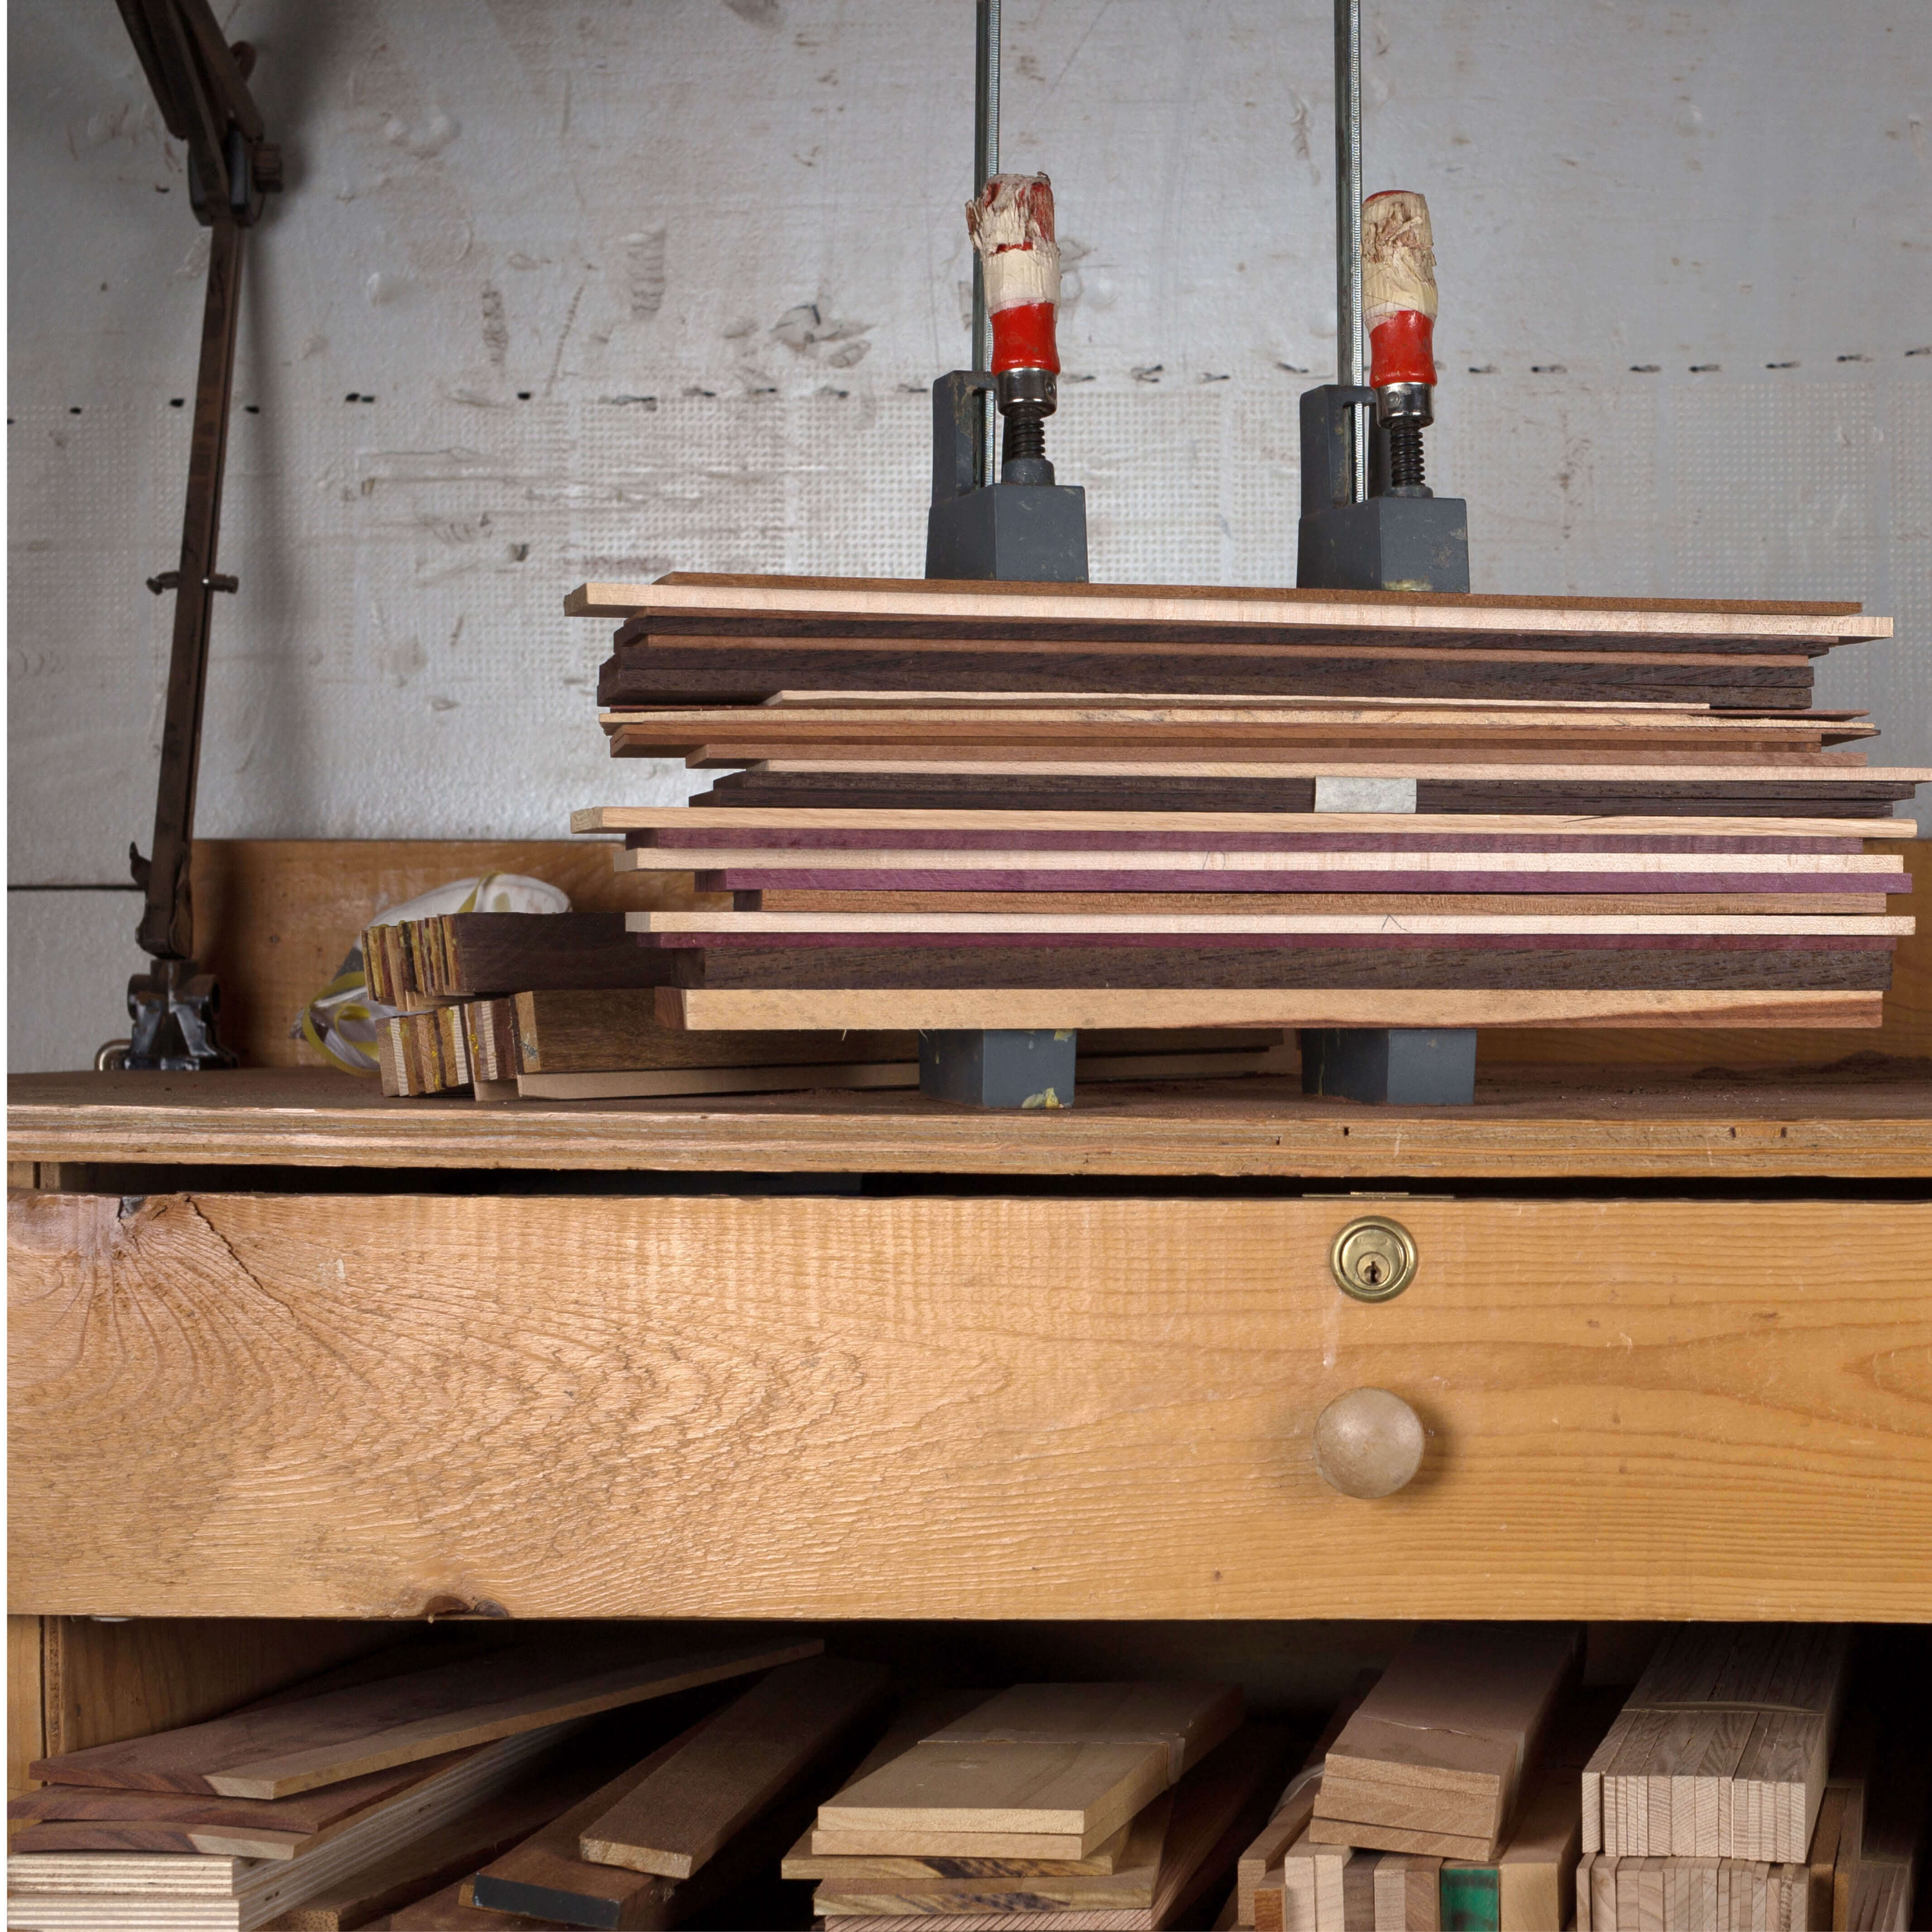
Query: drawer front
x=344, y=1406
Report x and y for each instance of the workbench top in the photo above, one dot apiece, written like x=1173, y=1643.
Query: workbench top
x=1867, y=1118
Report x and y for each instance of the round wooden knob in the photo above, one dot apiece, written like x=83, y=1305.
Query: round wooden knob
x=1367, y=1443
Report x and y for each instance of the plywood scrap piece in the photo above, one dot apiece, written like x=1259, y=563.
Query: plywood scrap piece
x=305, y=1743
x=1070, y=1761
x=1433, y=1760
x=685, y=1811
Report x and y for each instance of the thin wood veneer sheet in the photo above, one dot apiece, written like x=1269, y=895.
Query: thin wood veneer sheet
x=298, y=1745
x=721, y=924
x=1070, y=1760
x=683, y=1814
x=1432, y=1761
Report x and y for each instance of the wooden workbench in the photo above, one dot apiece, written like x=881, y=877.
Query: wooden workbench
x=285, y=1353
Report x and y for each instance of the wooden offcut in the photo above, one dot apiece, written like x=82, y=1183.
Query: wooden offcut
x=1069, y=1761
x=1433, y=1760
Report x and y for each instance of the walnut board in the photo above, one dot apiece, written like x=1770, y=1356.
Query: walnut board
x=1600, y=1378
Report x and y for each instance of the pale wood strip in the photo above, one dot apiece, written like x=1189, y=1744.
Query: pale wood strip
x=682, y=1814
x=1767, y=770
x=1121, y=604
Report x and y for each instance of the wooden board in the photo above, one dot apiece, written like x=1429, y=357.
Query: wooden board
x=1434, y=1757
x=1210, y=1812
x=718, y=924
x=1029, y=1360
x=574, y=1031
x=1076, y=1761
x=449, y=1910
x=711, y=819
x=1599, y=905
x=545, y=1876
x=1079, y=1007
x=773, y=599
x=99, y=1818
x=681, y=1816
x=299, y=1745
x=1870, y=1119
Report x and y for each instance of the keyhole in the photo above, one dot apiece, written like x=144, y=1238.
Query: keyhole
x=1370, y=1270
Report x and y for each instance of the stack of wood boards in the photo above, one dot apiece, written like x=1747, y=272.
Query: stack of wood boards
x=609, y=1042
x=333, y=1803
x=1165, y=839
x=1084, y=1806
x=1527, y=1887
x=1722, y=1750
x=1721, y=1744
x=696, y=639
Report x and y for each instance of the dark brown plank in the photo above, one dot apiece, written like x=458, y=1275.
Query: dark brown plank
x=1495, y=964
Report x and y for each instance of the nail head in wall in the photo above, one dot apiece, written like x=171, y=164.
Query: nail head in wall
x=1781, y=365
x=1150, y=372
x=175, y=402
x=354, y=396
x=1293, y=368
x=1216, y=378
x=1482, y=368
x=73, y=409
x=1706, y=368
x=1854, y=359
x=252, y=408
x=1926, y=351
x=1646, y=368
x=523, y=395
x=1548, y=369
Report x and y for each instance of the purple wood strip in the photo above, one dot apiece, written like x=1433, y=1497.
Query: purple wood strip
x=1689, y=942
x=776, y=879
x=893, y=837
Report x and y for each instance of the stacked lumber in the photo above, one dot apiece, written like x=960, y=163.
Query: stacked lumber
x=1723, y=1749
x=1084, y=1807
x=697, y=639
x=1743, y=1715
x=323, y=1808
x=944, y=806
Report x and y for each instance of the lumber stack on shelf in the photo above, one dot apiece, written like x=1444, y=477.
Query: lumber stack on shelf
x=1089, y=1805
x=1723, y=1749
x=1076, y=806
x=310, y=1812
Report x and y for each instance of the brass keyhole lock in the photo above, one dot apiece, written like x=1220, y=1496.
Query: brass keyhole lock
x=1373, y=1258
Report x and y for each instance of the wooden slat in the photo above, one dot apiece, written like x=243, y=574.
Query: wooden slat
x=1746, y=926
x=277, y=1751
x=1601, y=1380
x=700, y=816
x=682, y=1815
x=774, y=598
x=1082, y=1007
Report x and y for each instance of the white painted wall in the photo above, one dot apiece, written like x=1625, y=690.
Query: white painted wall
x=574, y=254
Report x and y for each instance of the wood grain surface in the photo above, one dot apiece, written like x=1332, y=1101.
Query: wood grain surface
x=1870, y=1117
x=962, y=1407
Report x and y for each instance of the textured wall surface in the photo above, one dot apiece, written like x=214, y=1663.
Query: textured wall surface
x=623, y=286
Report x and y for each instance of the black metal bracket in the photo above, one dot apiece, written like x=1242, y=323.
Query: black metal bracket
x=200, y=85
